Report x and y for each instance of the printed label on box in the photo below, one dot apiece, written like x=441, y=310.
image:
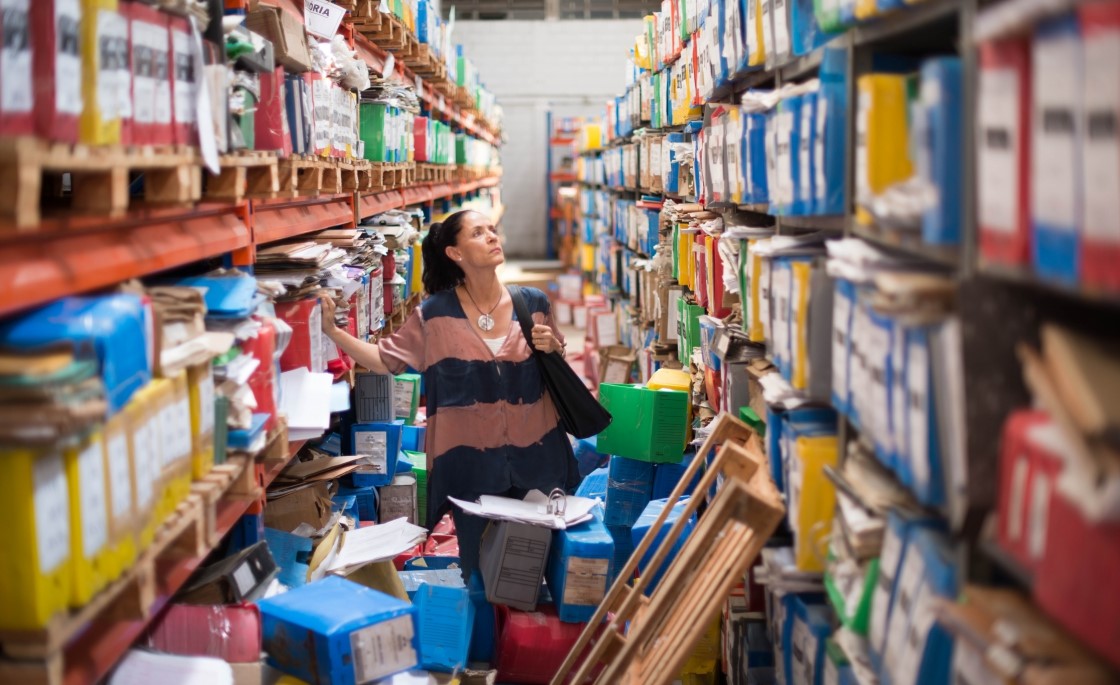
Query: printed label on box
x=383, y=649
x=818, y=149
x=16, y=88
x=1056, y=65
x=120, y=476
x=917, y=387
x=997, y=155
x=184, y=78
x=143, y=72
x=161, y=74
x=911, y=587
x=372, y=445
x=148, y=460
x=1102, y=148
x=244, y=579
x=52, y=511
x=402, y=398
x=841, y=320
x=880, y=605
x=67, y=59
x=94, y=508
x=804, y=652
x=586, y=581
x=806, y=176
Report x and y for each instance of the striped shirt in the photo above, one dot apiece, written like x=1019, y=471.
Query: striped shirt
x=491, y=424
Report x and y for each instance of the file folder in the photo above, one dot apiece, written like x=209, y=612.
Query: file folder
x=1004, y=150
x=881, y=138
x=1100, y=25
x=53, y=75
x=306, y=346
x=1028, y=473
x=844, y=304
x=942, y=100
x=922, y=428
x=106, y=73
x=1057, y=67
x=806, y=158
x=830, y=136
x=811, y=496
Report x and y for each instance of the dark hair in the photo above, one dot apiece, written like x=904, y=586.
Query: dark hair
x=440, y=271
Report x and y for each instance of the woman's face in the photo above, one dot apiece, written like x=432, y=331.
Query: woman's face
x=478, y=244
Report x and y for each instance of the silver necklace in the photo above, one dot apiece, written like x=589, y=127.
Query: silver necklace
x=485, y=321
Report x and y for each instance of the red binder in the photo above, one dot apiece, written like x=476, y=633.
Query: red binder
x=420, y=138
x=715, y=283
x=271, y=118
x=699, y=257
x=1100, y=244
x=58, y=69
x=306, y=346
x=1003, y=202
x=1028, y=472
x=184, y=84
x=263, y=381
x=1076, y=578
x=17, y=77
x=149, y=47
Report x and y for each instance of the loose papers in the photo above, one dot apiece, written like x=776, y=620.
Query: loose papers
x=534, y=509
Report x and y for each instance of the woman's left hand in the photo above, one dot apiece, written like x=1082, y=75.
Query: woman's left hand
x=545, y=340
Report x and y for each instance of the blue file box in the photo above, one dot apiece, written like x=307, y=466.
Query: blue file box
x=578, y=571
x=629, y=489
x=445, y=619
x=337, y=631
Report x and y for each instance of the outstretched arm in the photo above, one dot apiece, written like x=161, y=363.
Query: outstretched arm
x=365, y=354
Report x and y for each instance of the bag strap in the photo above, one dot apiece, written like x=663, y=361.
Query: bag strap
x=523, y=316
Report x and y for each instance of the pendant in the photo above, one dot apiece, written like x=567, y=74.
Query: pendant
x=485, y=323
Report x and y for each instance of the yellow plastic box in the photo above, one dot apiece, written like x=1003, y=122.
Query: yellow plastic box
x=175, y=431
x=35, y=569
x=146, y=446
x=670, y=379
x=200, y=386
x=812, y=499
x=104, y=31
x=92, y=559
x=882, y=153
x=123, y=522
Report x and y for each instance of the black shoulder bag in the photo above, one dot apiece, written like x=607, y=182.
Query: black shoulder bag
x=580, y=413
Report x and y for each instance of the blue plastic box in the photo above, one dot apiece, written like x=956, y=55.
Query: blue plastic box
x=446, y=618
x=579, y=569
x=382, y=441
x=365, y=501
x=485, y=622
x=413, y=578
x=292, y=554
x=594, y=484
x=667, y=476
x=116, y=328
x=336, y=631
x=623, y=548
x=643, y=525
x=629, y=489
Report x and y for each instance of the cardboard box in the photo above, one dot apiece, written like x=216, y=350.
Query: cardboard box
x=310, y=505
x=513, y=559
x=337, y=631
x=398, y=499
x=289, y=40
x=649, y=425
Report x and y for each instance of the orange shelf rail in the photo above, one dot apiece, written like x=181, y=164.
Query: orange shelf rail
x=281, y=219
x=63, y=260
x=102, y=644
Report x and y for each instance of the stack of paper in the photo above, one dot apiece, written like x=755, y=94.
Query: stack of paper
x=141, y=667
x=535, y=509
x=47, y=395
x=372, y=544
x=305, y=398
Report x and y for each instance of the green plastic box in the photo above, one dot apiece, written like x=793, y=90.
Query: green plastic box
x=649, y=425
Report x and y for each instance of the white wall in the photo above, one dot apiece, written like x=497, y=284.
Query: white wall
x=570, y=67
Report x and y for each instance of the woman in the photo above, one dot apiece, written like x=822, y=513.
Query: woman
x=492, y=428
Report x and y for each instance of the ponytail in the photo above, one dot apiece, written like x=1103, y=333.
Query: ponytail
x=440, y=271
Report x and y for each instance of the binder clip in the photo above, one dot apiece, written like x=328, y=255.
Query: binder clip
x=557, y=502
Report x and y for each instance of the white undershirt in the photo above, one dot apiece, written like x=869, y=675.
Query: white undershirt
x=494, y=344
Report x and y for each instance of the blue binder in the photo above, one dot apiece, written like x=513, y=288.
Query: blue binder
x=791, y=107
x=941, y=77
x=1057, y=241
x=756, y=145
x=807, y=168
x=369, y=439
x=922, y=431
x=229, y=296
x=842, y=351
x=629, y=488
x=832, y=107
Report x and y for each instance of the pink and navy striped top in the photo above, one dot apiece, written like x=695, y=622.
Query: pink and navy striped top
x=491, y=424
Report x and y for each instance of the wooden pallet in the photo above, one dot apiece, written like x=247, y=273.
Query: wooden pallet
x=310, y=176
x=247, y=173
x=385, y=176
x=664, y=629
x=191, y=532
x=99, y=176
x=383, y=30
x=434, y=173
